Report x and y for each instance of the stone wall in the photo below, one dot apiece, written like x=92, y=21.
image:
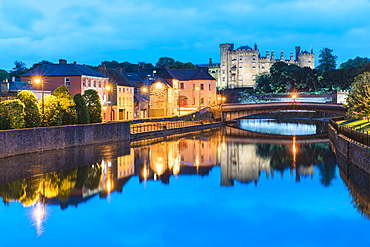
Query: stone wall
x=23, y=141
x=353, y=152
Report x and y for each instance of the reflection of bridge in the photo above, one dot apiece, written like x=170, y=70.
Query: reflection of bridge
x=234, y=111
x=245, y=136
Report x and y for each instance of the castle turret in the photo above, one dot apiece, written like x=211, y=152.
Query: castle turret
x=267, y=54
x=297, y=52
x=282, y=56
x=291, y=56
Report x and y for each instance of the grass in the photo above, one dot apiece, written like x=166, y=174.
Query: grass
x=359, y=124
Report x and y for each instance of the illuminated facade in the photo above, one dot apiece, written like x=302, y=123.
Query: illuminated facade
x=239, y=68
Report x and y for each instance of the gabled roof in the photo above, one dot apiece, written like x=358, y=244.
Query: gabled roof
x=63, y=70
x=116, y=77
x=186, y=74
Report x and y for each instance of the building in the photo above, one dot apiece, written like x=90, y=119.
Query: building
x=194, y=88
x=240, y=67
x=77, y=78
x=10, y=89
x=120, y=102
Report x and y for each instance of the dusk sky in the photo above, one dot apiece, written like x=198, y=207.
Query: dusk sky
x=92, y=31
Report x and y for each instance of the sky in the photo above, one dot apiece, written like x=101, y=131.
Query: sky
x=92, y=31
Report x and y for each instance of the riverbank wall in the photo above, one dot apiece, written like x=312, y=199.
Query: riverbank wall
x=354, y=153
x=23, y=141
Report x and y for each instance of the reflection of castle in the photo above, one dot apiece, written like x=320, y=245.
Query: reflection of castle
x=241, y=162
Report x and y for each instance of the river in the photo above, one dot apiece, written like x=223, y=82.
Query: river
x=220, y=187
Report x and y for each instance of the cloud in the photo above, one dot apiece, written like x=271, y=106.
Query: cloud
x=96, y=30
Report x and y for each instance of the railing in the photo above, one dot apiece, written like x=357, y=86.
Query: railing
x=164, y=125
x=359, y=136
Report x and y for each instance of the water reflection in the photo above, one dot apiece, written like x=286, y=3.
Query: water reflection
x=102, y=170
x=283, y=126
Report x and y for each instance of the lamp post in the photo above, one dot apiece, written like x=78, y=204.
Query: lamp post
x=37, y=81
x=145, y=90
x=294, y=96
x=108, y=88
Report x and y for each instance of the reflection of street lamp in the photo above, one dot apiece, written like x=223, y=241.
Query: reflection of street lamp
x=198, y=89
x=108, y=88
x=37, y=81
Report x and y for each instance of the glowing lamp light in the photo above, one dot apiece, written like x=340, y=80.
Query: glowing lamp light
x=144, y=89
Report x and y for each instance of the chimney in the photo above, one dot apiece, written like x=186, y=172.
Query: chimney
x=74, y=62
x=210, y=62
x=120, y=69
x=102, y=67
x=62, y=61
x=255, y=46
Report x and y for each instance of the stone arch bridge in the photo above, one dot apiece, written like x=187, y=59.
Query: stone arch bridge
x=231, y=112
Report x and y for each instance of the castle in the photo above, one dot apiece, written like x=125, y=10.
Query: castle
x=239, y=68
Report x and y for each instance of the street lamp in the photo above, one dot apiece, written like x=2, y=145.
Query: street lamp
x=294, y=96
x=108, y=88
x=145, y=90
x=37, y=81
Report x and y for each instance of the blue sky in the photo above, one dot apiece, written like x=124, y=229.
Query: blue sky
x=91, y=31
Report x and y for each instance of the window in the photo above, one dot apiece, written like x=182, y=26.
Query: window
x=94, y=83
x=119, y=101
x=182, y=86
x=209, y=86
x=201, y=86
x=119, y=89
x=193, y=87
x=99, y=84
x=67, y=82
x=193, y=100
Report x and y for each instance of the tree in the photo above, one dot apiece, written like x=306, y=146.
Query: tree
x=359, y=97
x=264, y=82
x=40, y=63
x=19, y=69
x=327, y=60
x=68, y=106
x=81, y=109
x=357, y=62
x=165, y=61
x=52, y=111
x=93, y=105
x=4, y=75
x=32, y=115
x=11, y=114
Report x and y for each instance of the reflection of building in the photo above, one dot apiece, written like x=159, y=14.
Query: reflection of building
x=185, y=156
x=242, y=163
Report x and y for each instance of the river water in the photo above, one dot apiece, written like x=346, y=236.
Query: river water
x=221, y=187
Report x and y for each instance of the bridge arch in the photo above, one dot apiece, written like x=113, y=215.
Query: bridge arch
x=231, y=112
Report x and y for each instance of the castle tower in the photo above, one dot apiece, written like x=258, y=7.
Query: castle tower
x=306, y=59
x=225, y=50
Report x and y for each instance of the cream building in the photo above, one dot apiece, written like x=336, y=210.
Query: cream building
x=240, y=67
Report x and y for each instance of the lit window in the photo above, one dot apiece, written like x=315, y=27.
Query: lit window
x=182, y=86
x=201, y=86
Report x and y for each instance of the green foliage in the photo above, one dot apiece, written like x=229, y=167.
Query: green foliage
x=40, y=63
x=19, y=69
x=359, y=97
x=53, y=111
x=264, y=83
x=165, y=61
x=4, y=75
x=327, y=60
x=93, y=105
x=180, y=65
x=11, y=114
x=357, y=62
x=129, y=67
x=32, y=115
x=82, y=111
x=68, y=106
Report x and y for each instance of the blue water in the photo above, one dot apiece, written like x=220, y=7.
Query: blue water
x=199, y=190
